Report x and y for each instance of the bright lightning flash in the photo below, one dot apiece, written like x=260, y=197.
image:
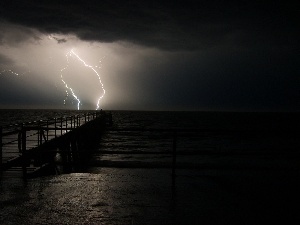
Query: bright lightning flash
x=13, y=72
x=73, y=54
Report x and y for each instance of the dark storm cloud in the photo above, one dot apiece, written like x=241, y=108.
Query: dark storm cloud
x=170, y=25
x=14, y=34
x=59, y=40
x=225, y=81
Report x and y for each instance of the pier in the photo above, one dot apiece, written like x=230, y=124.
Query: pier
x=31, y=147
x=66, y=144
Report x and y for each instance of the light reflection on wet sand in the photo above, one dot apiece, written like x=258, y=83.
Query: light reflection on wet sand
x=144, y=196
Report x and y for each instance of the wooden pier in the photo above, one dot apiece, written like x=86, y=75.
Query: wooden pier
x=32, y=147
x=65, y=143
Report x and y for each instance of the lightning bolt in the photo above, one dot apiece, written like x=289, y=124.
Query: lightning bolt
x=100, y=62
x=13, y=72
x=66, y=85
x=73, y=54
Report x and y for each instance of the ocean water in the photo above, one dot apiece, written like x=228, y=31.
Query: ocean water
x=220, y=134
x=203, y=139
x=17, y=116
x=209, y=137
x=244, y=168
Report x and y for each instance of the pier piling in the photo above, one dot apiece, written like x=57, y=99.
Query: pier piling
x=24, y=153
x=174, y=159
x=1, y=156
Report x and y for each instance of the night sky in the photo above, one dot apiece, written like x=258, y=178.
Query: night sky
x=150, y=55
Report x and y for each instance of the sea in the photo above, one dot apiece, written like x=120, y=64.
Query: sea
x=231, y=168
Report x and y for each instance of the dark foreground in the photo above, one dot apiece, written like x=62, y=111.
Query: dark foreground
x=246, y=178
x=146, y=196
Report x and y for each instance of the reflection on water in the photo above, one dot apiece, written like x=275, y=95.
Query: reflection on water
x=144, y=196
x=110, y=196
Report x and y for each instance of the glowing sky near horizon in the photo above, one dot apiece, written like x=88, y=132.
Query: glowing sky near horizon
x=45, y=60
x=60, y=76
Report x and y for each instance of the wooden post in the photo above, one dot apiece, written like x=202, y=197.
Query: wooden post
x=66, y=124
x=85, y=118
x=24, y=155
x=1, y=148
x=41, y=135
x=20, y=139
x=47, y=130
x=74, y=149
x=39, y=132
x=174, y=158
x=55, y=127
x=61, y=125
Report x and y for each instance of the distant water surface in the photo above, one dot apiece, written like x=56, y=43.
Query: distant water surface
x=16, y=116
x=172, y=119
x=222, y=132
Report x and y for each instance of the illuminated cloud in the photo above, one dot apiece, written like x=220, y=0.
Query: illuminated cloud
x=4, y=60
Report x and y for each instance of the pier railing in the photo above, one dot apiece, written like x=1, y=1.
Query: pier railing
x=16, y=138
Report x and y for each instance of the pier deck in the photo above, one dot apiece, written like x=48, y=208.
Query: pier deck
x=29, y=146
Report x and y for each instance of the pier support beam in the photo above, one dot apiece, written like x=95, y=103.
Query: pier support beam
x=1, y=149
x=174, y=160
x=45, y=144
x=24, y=155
